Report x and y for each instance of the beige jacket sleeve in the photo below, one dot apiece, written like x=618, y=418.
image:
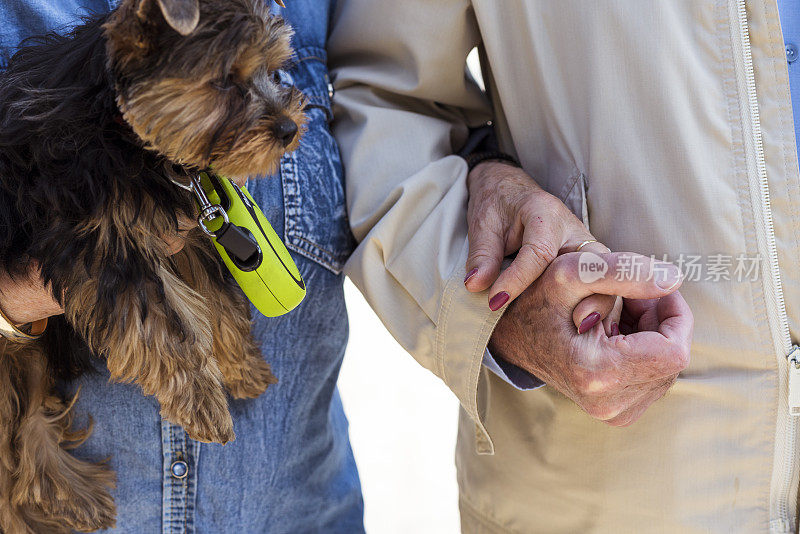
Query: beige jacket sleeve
x=403, y=106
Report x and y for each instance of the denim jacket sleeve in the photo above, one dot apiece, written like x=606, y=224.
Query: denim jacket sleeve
x=402, y=108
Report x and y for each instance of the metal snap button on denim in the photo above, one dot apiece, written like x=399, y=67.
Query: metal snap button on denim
x=179, y=469
x=791, y=53
x=331, y=90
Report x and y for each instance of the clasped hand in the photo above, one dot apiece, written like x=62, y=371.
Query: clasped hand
x=613, y=344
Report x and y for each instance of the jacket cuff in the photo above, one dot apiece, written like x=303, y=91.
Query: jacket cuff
x=463, y=330
x=515, y=376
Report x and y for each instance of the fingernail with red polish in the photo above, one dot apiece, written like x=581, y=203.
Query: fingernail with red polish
x=498, y=301
x=470, y=274
x=587, y=324
x=614, y=329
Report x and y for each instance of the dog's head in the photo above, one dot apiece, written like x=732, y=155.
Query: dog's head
x=198, y=81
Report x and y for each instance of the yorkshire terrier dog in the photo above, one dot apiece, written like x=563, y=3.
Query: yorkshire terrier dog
x=97, y=129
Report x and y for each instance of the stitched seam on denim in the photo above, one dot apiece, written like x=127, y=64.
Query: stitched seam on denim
x=293, y=234
x=322, y=249
x=176, y=513
x=292, y=209
x=311, y=52
x=291, y=193
x=168, y=497
x=177, y=486
x=338, y=258
x=166, y=493
x=308, y=250
x=191, y=483
x=316, y=90
x=313, y=257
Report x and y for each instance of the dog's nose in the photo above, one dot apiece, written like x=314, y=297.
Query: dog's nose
x=285, y=130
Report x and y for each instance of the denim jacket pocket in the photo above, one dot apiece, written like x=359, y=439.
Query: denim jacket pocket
x=315, y=213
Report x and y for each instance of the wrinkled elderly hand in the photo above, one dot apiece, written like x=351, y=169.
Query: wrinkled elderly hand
x=508, y=212
x=614, y=379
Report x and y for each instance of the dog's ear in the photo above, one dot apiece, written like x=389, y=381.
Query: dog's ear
x=182, y=15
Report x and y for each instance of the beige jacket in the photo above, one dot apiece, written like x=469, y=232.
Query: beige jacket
x=672, y=119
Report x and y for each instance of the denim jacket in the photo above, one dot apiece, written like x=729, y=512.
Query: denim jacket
x=291, y=468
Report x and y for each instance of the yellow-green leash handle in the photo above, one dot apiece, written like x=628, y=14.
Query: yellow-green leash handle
x=269, y=278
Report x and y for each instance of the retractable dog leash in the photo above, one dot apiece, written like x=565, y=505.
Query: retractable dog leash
x=248, y=245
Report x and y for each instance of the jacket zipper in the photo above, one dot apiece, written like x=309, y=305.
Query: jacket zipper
x=781, y=506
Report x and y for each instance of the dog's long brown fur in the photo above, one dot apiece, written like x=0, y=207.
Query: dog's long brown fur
x=244, y=371
x=42, y=487
x=192, y=84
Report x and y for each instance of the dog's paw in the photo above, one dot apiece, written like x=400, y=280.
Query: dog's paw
x=215, y=430
x=251, y=380
x=204, y=417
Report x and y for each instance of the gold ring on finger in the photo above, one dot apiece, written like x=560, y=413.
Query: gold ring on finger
x=588, y=241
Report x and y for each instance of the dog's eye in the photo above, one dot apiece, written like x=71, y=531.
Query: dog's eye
x=276, y=77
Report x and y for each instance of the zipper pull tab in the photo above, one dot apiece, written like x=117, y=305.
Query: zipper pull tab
x=794, y=381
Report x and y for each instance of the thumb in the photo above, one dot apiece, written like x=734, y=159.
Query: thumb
x=625, y=274
x=176, y=241
x=592, y=310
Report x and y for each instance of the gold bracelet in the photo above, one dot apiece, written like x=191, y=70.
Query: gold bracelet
x=14, y=333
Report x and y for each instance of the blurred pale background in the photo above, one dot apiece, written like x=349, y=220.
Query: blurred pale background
x=403, y=431
x=402, y=425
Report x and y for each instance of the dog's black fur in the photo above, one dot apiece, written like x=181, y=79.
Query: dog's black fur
x=65, y=158
x=96, y=129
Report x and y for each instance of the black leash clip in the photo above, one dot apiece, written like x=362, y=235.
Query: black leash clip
x=234, y=239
